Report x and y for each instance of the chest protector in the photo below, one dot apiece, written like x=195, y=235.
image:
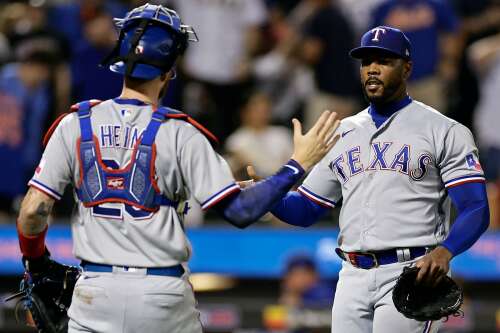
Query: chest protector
x=134, y=184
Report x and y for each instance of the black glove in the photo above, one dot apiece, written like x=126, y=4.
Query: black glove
x=423, y=303
x=37, y=265
x=46, y=291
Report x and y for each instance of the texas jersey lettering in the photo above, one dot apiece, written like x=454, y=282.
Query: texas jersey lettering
x=419, y=152
x=349, y=163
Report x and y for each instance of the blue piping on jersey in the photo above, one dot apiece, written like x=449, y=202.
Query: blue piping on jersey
x=46, y=189
x=380, y=113
x=129, y=101
x=459, y=180
x=322, y=201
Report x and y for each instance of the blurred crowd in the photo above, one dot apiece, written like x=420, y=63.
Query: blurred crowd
x=257, y=65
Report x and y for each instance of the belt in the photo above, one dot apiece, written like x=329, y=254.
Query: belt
x=372, y=259
x=174, y=271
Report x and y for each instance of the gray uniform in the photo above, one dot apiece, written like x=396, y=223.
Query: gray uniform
x=392, y=182
x=120, y=235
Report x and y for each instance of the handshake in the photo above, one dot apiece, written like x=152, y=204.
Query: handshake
x=309, y=148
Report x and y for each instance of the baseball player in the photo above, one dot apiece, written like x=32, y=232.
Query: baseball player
x=133, y=165
x=396, y=170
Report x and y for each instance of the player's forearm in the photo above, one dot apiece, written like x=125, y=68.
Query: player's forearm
x=32, y=223
x=34, y=213
x=296, y=210
x=253, y=202
x=468, y=227
x=473, y=217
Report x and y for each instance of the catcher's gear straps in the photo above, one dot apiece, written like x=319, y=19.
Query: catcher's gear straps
x=135, y=184
x=174, y=114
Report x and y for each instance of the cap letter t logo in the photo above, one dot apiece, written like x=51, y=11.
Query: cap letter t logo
x=376, y=32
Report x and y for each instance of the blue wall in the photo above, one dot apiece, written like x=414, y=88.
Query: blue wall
x=258, y=252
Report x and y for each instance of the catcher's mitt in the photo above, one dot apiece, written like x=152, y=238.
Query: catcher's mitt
x=424, y=303
x=47, y=295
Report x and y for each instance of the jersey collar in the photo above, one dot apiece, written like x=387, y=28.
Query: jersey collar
x=129, y=101
x=381, y=113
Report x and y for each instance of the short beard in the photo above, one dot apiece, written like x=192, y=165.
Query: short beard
x=390, y=90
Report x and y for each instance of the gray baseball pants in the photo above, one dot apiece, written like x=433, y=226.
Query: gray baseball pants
x=363, y=302
x=133, y=302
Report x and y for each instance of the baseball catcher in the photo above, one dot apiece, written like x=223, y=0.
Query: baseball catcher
x=133, y=164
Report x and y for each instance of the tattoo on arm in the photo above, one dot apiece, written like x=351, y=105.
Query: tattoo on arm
x=42, y=210
x=35, y=211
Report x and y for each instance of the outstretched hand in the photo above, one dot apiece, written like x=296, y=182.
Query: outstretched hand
x=311, y=147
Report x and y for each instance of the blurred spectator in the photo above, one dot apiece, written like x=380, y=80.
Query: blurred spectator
x=15, y=20
x=431, y=26
x=359, y=13
x=305, y=300
x=24, y=108
x=301, y=285
x=285, y=5
x=89, y=80
x=256, y=142
x=485, y=55
x=69, y=17
x=279, y=73
x=328, y=37
x=217, y=66
x=20, y=22
x=479, y=19
x=4, y=49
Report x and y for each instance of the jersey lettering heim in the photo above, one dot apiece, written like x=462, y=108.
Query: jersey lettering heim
x=118, y=233
x=393, y=179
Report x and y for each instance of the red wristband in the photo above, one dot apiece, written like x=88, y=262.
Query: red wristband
x=32, y=246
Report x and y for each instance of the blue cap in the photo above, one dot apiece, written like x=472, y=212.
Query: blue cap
x=300, y=261
x=383, y=38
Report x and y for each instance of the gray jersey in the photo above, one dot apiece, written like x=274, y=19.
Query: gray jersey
x=392, y=180
x=117, y=234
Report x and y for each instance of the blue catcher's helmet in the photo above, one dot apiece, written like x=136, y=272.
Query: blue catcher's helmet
x=151, y=38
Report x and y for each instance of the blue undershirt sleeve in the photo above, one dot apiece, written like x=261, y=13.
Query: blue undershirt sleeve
x=473, y=216
x=295, y=209
x=248, y=205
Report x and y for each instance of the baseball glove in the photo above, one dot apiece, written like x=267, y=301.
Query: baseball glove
x=46, y=290
x=423, y=303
